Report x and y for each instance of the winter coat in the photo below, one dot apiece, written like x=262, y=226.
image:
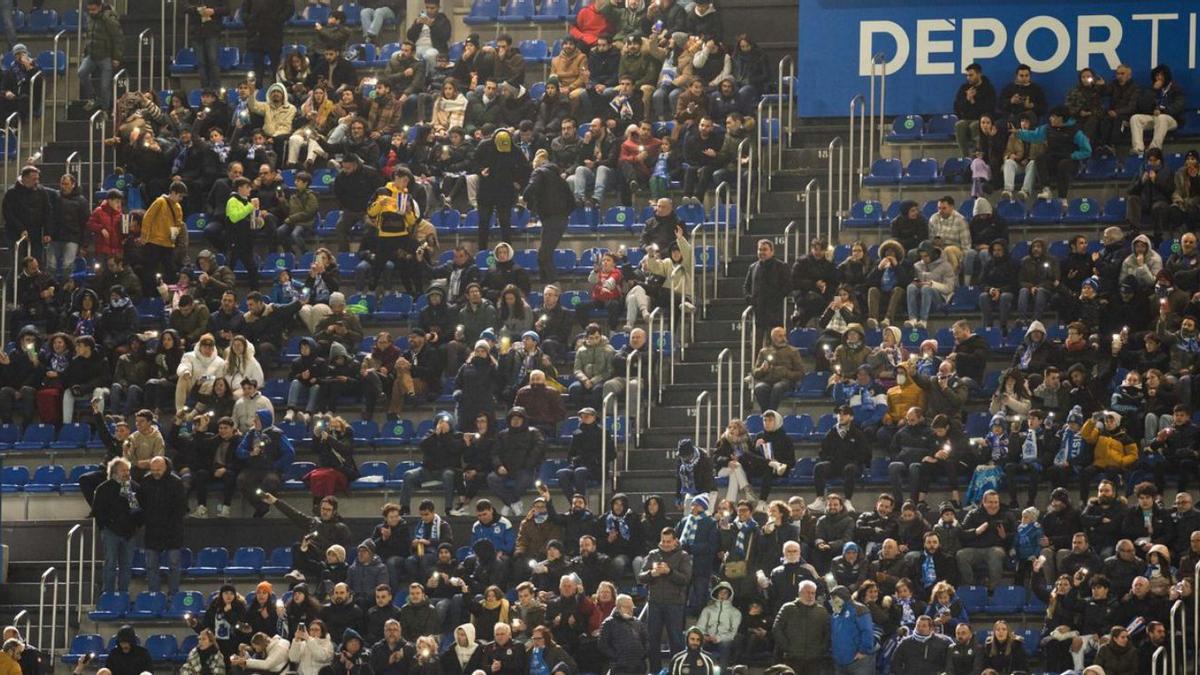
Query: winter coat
x=671, y=588
x=164, y=505
x=310, y=655
x=1110, y=451
x=801, y=632
x=914, y=657
x=104, y=40
x=625, y=642
x=363, y=579
x=720, y=617
x=135, y=662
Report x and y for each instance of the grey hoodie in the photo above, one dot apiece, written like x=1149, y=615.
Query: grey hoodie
x=938, y=271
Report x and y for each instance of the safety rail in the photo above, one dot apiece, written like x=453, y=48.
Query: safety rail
x=146, y=38
x=745, y=345
x=78, y=532
x=1195, y=645
x=878, y=70
x=1177, y=610
x=791, y=233
x=96, y=120
x=4, y=305
x=680, y=308
x=36, y=142
x=16, y=266
x=835, y=198
x=854, y=186
x=1155, y=659
x=12, y=127
x=744, y=150
x=610, y=400
x=50, y=573
x=724, y=389
x=162, y=31
x=705, y=399
x=789, y=64
x=700, y=241
x=23, y=615
x=721, y=218
x=656, y=342
x=120, y=76
x=73, y=160
x=66, y=81
x=633, y=406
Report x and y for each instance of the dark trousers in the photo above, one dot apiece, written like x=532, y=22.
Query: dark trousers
x=657, y=617
x=17, y=399
x=503, y=217
x=849, y=472
x=157, y=260
x=553, y=229
x=375, y=389
x=1056, y=172
x=243, y=250
x=1160, y=214
x=260, y=52
x=1032, y=473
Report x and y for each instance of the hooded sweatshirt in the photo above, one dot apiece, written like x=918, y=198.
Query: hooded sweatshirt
x=937, y=271
x=720, y=618
x=277, y=117
x=852, y=630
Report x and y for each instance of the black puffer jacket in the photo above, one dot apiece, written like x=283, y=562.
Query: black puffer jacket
x=164, y=503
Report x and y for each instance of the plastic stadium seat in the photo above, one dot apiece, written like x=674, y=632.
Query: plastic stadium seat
x=323, y=180
x=47, y=478
x=965, y=299
x=552, y=11
x=209, y=562
x=111, y=606
x=394, y=434
x=1114, y=211
x=42, y=21
x=162, y=648
x=1009, y=211
x=72, y=482
x=957, y=170
x=583, y=220
x=941, y=127
x=618, y=218
x=456, y=51
x=977, y=424
x=692, y=214
x=921, y=171
x=279, y=563
x=813, y=385
x=147, y=606
x=973, y=598
x=1128, y=169
x=907, y=129
x=516, y=11
x=534, y=51
x=1081, y=211
x=446, y=221
x=82, y=645
x=312, y=14
x=1099, y=168
x=1006, y=600
x=184, y=602
x=884, y=172
x=803, y=338
x=13, y=478
x=929, y=208
x=483, y=12
x=228, y=58
x=565, y=261
x=247, y=561
x=185, y=61
x=798, y=426
x=1045, y=212
x=72, y=436
x=36, y=437
x=293, y=477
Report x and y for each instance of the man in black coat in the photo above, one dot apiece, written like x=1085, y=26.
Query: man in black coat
x=197, y=166
x=129, y=657
x=28, y=209
x=354, y=188
x=549, y=196
x=498, y=167
x=68, y=226
x=164, y=499
x=970, y=352
x=265, y=21
x=768, y=282
x=118, y=515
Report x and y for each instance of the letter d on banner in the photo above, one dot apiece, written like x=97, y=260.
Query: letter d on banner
x=866, y=46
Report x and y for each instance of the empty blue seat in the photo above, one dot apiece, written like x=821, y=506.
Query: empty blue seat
x=552, y=11
x=1081, y=211
x=371, y=475
x=228, y=58
x=209, y=562
x=483, y=12
x=446, y=220
x=72, y=436
x=393, y=434
x=322, y=180
x=83, y=645
x=147, y=606
x=957, y=170
x=42, y=21
x=162, y=648
x=279, y=563
x=516, y=11
x=921, y=171
x=1045, y=212
x=1099, y=168
x=618, y=218
x=185, y=61
x=72, y=482
x=533, y=51
x=1006, y=600
x=47, y=478
x=184, y=602
x=973, y=598
x=977, y=424
x=247, y=561
x=111, y=606
x=941, y=127
x=13, y=478
x=36, y=437
x=798, y=426
x=583, y=220
x=813, y=385
x=907, y=129
x=884, y=172
x=1009, y=211
x=1114, y=211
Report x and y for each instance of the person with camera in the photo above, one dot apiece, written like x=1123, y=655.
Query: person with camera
x=333, y=441
x=264, y=654
x=320, y=532
x=265, y=453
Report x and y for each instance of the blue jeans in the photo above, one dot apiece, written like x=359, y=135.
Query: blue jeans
x=89, y=68
x=118, y=551
x=1040, y=296
x=989, y=307
x=396, y=566
x=598, y=179
x=922, y=300
x=573, y=480
x=291, y=238
x=512, y=487
x=658, y=616
x=125, y=399
x=897, y=471
x=68, y=402
x=415, y=478
x=208, y=60
x=60, y=257
x=153, y=575
x=582, y=397
x=373, y=19
x=297, y=390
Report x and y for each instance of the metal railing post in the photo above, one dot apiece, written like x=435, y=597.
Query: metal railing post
x=725, y=388
x=1176, y=610
x=746, y=342
x=704, y=397
x=4, y=308
x=788, y=234
x=853, y=188
x=50, y=572
x=655, y=317
x=118, y=77
x=882, y=100
x=1154, y=660
x=604, y=446
x=146, y=38
x=808, y=203
x=12, y=125
x=722, y=219
x=35, y=142
x=66, y=84
x=16, y=266
x=835, y=198
x=700, y=241
x=25, y=616
x=92, y=124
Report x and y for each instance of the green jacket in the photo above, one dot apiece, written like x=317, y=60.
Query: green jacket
x=105, y=39
x=302, y=208
x=594, y=362
x=642, y=69
x=475, y=321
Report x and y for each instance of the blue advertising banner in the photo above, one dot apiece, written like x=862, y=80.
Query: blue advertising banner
x=926, y=44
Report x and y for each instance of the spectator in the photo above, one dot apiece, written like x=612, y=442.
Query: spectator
x=1151, y=191
x=29, y=209
x=520, y=450
x=118, y=514
x=1166, y=112
x=987, y=532
x=768, y=282
x=999, y=282
x=103, y=53
x=498, y=167
x=932, y=286
x=164, y=500
x=1065, y=147
x=442, y=451
x=802, y=631
x=128, y=657
x=1021, y=96
x=718, y=624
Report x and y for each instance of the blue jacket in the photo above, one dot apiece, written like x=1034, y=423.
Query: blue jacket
x=851, y=630
x=275, y=442
x=1028, y=542
x=706, y=541
x=1083, y=147
x=501, y=533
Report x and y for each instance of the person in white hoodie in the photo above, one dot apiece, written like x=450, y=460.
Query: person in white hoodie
x=719, y=621
x=240, y=364
x=1143, y=263
x=311, y=649
x=264, y=654
x=933, y=284
x=245, y=411
x=465, y=657
x=198, y=369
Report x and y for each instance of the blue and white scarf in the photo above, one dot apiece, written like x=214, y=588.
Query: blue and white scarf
x=1068, y=448
x=687, y=474
x=742, y=543
x=998, y=445
x=619, y=524
x=430, y=531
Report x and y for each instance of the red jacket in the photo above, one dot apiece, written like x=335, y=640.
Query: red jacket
x=631, y=147
x=606, y=292
x=105, y=219
x=589, y=25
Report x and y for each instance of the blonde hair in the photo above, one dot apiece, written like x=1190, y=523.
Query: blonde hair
x=540, y=157
x=338, y=551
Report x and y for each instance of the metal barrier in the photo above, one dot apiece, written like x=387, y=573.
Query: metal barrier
x=703, y=398
x=80, y=584
x=743, y=211
x=92, y=124
x=1158, y=655
x=16, y=266
x=162, y=31
x=73, y=160
x=835, y=199
x=12, y=126
x=854, y=188
x=809, y=210
x=4, y=308
x=1195, y=645
x=655, y=346
x=23, y=615
x=700, y=240
x=145, y=38
x=724, y=389
x=35, y=143
x=1177, y=610
x=66, y=83
x=789, y=64
x=679, y=309
x=609, y=399
x=878, y=69
x=746, y=344
x=50, y=573
x=120, y=76
x=722, y=218
x=633, y=407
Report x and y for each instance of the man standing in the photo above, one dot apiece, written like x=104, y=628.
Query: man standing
x=28, y=209
x=161, y=223
x=164, y=499
x=801, y=632
x=666, y=574
x=498, y=167
x=768, y=282
x=118, y=514
x=264, y=39
x=921, y=652
x=623, y=639
x=853, y=634
x=104, y=48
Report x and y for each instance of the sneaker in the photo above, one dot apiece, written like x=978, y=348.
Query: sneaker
x=817, y=504
x=223, y=511
x=518, y=510
x=460, y=511
x=1006, y=195
x=200, y=512
x=872, y=324
x=627, y=328
x=1022, y=196
x=304, y=417
x=290, y=416
x=1046, y=194
x=849, y=508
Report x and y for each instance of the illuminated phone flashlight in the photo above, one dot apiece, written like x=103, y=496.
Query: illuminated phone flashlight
x=96, y=267
x=259, y=492
x=1116, y=337
x=641, y=148
x=250, y=76
x=946, y=447
x=538, y=484
x=533, y=564
x=29, y=347
x=187, y=616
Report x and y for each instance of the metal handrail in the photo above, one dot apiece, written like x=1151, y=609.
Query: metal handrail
x=609, y=398
x=79, y=580
x=1177, y=609
x=146, y=37
x=16, y=266
x=121, y=75
x=66, y=82
x=722, y=218
x=724, y=389
x=103, y=124
x=835, y=198
x=50, y=572
x=1158, y=655
x=656, y=347
x=743, y=211
x=636, y=403
x=12, y=125
x=854, y=188
x=790, y=80
x=708, y=419
x=788, y=234
x=23, y=614
x=78, y=38
x=73, y=159
x=677, y=309
x=745, y=343
x=808, y=211
x=1196, y=611
x=35, y=144
x=700, y=240
x=4, y=308
x=876, y=64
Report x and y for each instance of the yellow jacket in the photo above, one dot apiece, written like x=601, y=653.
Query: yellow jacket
x=1110, y=452
x=902, y=397
x=162, y=215
x=9, y=665
x=386, y=213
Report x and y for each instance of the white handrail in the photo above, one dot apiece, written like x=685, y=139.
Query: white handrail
x=11, y=128
x=854, y=188
x=882, y=99
x=676, y=309
x=121, y=75
x=36, y=143
x=73, y=159
x=609, y=398
x=808, y=211
x=788, y=234
x=1177, y=609
x=636, y=403
x=700, y=241
x=835, y=198
x=23, y=614
x=145, y=38
x=79, y=581
x=876, y=66
x=4, y=305
x=16, y=266
x=1158, y=655
x=725, y=389
x=103, y=124
x=722, y=218
x=66, y=83
x=50, y=572
x=746, y=343
x=790, y=81
x=704, y=397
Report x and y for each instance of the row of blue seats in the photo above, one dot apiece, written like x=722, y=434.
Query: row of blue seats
x=918, y=128
x=484, y=12
x=45, y=60
x=47, y=21
x=869, y=213
x=313, y=13
x=957, y=170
